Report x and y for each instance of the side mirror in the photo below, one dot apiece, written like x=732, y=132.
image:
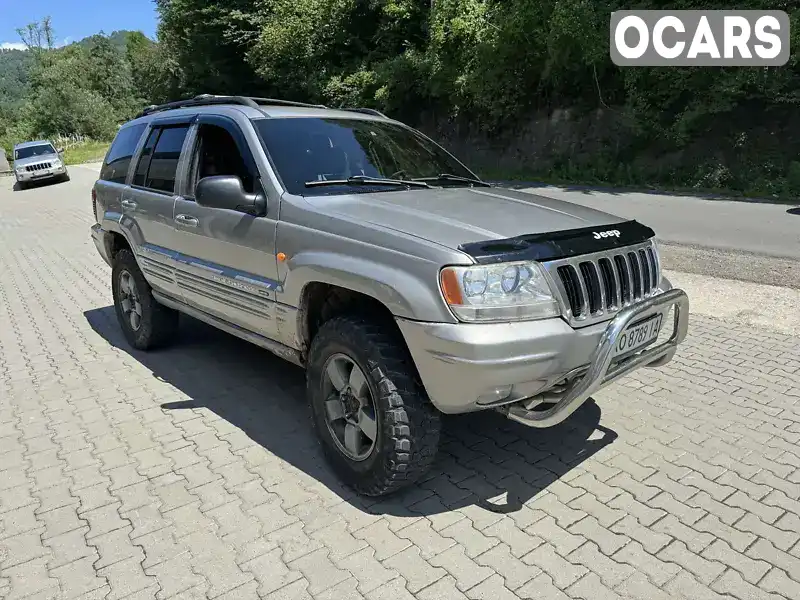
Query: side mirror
x=60, y=150
x=226, y=191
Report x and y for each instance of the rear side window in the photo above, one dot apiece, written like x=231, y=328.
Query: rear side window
x=144, y=160
x=118, y=159
x=164, y=160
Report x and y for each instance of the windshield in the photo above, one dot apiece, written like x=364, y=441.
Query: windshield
x=30, y=151
x=308, y=150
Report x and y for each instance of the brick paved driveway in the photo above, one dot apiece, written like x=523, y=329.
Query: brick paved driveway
x=193, y=472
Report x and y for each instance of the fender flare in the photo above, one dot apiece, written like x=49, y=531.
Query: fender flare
x=402, y=293
x=113, y=224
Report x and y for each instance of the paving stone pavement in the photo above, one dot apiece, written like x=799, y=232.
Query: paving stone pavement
x=193, y=472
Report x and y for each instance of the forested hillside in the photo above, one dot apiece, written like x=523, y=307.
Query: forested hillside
x=516, y=87
x=83, y=89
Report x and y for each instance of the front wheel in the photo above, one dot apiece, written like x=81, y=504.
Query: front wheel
x=145, y=323
x=376, y=426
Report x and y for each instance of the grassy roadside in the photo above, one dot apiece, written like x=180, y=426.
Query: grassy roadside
x=88, y=152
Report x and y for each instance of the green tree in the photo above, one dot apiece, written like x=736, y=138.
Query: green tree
x=63, y=100
x=154, y=73
x=207, y=40
x=109, y=74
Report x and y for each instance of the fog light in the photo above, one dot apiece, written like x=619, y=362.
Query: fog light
x=494, y=395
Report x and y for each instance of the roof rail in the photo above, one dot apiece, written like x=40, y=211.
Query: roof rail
x=201, y=100
x=277, y=102
x=209, y=100
x=367, y=111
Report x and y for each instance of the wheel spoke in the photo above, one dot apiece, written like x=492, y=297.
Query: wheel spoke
x=126, y=305
x=358, y=383
x=367, y=423
x=334, y=409
x=135, y=320
x=137, y=307
x=124, y=284
x=352, y=439
x=337, y=373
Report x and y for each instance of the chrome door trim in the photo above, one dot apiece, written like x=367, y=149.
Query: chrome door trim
x=236, y=279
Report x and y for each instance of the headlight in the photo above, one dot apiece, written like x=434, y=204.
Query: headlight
x=20, y=169
x=515, y=291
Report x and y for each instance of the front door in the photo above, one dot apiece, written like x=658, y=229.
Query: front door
x=226, y=259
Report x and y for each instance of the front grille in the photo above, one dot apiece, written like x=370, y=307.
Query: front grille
x=38, y=166
x=596, y=286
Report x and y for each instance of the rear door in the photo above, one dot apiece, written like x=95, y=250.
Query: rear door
x=113, y=178
x=227, y=265
x=150, y=199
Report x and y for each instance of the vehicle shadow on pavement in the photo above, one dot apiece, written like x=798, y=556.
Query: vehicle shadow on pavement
x=485, y=460
x=33, y=185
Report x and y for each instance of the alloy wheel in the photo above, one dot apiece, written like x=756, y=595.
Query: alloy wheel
x=129, y=300
x=349, y=407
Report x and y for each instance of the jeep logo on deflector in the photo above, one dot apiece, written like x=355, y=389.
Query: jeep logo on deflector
x=605, y=234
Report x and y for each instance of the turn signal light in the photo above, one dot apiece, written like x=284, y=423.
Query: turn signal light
x=450, y=288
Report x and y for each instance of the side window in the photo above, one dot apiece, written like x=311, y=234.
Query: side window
x=118, y=160
x=140, y=175
x=216, y=153
x=164, y=160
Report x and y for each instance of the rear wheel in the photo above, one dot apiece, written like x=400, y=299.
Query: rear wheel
x=377, y=427
x=145, y=323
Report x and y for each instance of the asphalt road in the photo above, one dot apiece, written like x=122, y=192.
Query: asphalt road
x=747, y=241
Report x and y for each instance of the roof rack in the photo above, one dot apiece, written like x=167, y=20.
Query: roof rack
x=251, y=101
x=210, y=100
x=201, y=100
x=276, y=102
x=367, y=111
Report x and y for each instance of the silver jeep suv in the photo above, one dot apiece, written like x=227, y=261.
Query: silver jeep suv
x=356, y=247
x=38, y=161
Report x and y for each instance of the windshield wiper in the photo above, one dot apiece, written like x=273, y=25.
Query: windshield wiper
x=450, y=177
x=365, y=180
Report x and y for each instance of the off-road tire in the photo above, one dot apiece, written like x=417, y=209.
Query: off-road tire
x=65, y=178
x=408, y=424
x=22, y=186
x=159, y=324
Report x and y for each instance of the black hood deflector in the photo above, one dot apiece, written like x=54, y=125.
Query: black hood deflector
x=557, y=244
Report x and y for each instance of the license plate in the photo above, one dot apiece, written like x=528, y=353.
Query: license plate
x=639, y=335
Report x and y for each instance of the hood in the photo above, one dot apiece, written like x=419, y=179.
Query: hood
x=458, y=215
x=24, y=162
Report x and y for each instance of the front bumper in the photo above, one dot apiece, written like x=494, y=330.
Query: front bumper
x=468, y=367
x=42, y=175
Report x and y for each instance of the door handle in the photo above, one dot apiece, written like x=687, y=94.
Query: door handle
x=186, y=221
x=129, y=204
